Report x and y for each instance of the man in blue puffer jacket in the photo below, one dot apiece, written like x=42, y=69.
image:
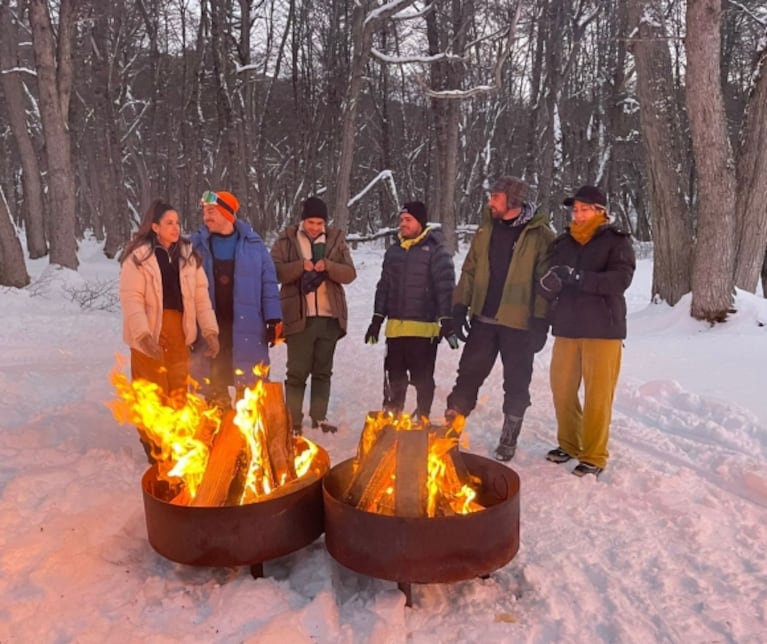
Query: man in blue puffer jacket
x=243, y=290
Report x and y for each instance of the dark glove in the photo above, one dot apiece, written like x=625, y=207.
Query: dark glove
x=447, y=331
x=311, y=280
x=538, y=332
x=462, y=324
x=568, y=275
x=551, y=284
x=557, y=277
x=371, y=335
x=273, y=333
x=149, y=346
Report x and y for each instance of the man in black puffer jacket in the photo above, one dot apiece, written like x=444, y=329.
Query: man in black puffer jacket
x=415, y=292
x=592, y=265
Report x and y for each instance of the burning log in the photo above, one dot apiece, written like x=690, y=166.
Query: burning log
x=410, y=471
x=371, y=472
x=224, y=464
x=278, y=435
x=208, y=458
x=410, y=485
x=224, y=481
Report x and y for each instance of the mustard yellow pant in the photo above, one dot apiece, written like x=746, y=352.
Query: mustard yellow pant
x=170, y=373
x=583, y=430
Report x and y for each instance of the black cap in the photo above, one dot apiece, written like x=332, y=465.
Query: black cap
x=417, y=209
x=314, y=207
x=587, y=194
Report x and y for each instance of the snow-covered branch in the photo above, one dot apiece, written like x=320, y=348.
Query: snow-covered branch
x=19, y=70
x=405, y=60
x=461, y=94
x=384, y=175
x=387, y=10
x=760, y=19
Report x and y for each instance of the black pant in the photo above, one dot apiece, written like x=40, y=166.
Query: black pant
x=478, y=357
x=414, y=355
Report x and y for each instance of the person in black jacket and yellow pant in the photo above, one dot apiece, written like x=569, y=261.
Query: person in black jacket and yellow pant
x=415, y=293
x=592, y=265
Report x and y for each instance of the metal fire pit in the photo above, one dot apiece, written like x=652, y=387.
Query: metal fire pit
x=421, y=549
x=237, y=534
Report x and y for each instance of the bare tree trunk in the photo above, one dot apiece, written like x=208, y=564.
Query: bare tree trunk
x=13, y=272
x=54, y=80
x=764, y=276
x=13, y=92
x=752, y=183
x=714, y=257
x=108, y=151
x=536, y=95
x=362, y=37
x=446, y=117
x=364, y=24
x=220, y=35
x=660, y=127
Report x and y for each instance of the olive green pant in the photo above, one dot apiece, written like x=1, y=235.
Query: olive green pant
x=310, y=352
x=583, y=430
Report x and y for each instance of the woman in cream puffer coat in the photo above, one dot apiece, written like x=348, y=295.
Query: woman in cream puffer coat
x=164, y=298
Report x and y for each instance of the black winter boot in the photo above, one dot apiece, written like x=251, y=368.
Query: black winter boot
x=507, y=446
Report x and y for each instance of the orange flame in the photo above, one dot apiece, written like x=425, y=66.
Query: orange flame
x=180, y=430
x=175, y=428
x=443, y=484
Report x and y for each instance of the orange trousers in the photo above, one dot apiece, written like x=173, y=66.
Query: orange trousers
x=583, y=430
x=171, y=372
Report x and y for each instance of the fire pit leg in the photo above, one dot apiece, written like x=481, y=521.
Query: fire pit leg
x=257, y=570
x=407, y=589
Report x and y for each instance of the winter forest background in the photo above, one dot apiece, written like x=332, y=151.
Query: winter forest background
x=106, y=104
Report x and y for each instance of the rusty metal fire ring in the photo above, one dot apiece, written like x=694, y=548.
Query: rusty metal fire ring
x=421, y=549
x=237, y=534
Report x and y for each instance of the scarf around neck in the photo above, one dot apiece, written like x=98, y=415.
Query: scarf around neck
x=583, y=233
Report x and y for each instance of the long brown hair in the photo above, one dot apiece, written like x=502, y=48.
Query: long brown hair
x=145, y=236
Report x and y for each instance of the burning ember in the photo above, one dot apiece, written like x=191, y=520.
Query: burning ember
x=210, y=457
x=409, y=470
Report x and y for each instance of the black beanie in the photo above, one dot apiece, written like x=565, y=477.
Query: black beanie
x=314, y=207
x=418, y=210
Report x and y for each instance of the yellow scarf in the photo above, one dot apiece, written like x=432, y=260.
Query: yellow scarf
x=582, y=233
x=407, y=244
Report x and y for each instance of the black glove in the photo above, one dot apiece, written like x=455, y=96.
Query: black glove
x=447, y=331
x=371, y=336
x=461, y=321
x=273, y=332
x=568, y=275
x=550, y=283
x=537, y=333
x=557, y=277
x=311, y=280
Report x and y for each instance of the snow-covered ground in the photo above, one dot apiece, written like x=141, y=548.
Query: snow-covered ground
x=669, y=545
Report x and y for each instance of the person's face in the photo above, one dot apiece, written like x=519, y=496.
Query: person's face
x=215, y=221
x=167, y=229
x=499, y=206
x=314, y=226
x=583, y=212
x=409, y=227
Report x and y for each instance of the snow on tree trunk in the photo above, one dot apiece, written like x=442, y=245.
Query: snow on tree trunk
x=752, y=182
x=13, y=94
x=13, y=271
x=54, y=79
x=714, y=255
x=661, y=124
